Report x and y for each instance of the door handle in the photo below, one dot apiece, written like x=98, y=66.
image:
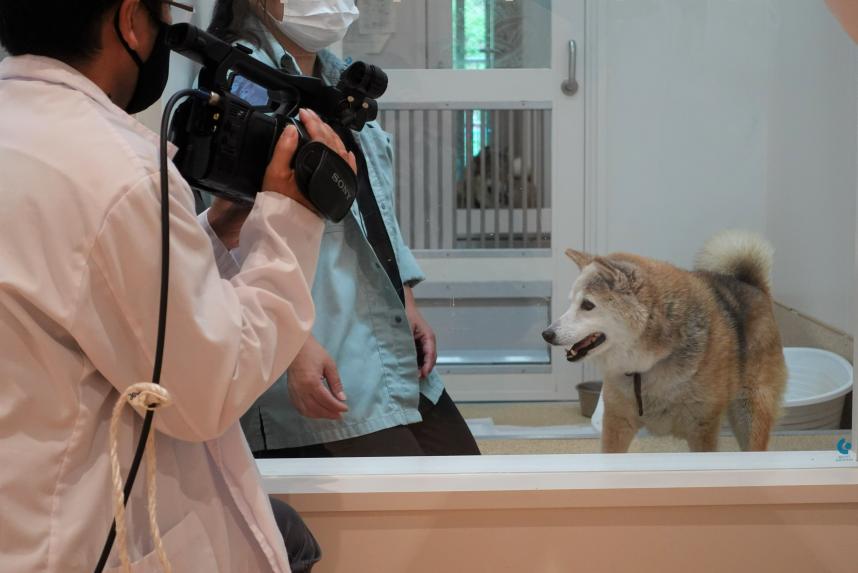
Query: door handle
x=570, y=85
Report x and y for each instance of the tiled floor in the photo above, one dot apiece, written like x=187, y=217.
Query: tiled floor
x=526, y=413
x=531, y=414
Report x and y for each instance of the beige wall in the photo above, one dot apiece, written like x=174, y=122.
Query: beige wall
x=798, y=329
x=801, y=538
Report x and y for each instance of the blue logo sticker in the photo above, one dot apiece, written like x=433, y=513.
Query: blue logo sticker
x=843, y=446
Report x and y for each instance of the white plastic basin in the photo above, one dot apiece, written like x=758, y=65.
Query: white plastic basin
x=816, y=390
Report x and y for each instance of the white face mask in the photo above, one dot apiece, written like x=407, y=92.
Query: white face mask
x=316, y=24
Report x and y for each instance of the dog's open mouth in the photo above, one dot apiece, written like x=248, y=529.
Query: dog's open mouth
x=581, y=349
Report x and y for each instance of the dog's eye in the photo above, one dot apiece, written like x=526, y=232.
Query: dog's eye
x=587, y=305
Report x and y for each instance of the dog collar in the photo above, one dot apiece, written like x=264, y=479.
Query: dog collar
x=638, y=394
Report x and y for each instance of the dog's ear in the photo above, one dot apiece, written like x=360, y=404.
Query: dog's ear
x=619, y=275
x=581, y=259
x=607, y=270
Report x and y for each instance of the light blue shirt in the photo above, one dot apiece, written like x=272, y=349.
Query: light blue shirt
x=360, y=319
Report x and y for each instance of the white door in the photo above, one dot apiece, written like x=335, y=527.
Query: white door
x=490, y=168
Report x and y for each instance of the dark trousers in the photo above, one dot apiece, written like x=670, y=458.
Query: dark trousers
x=443, y=432
x=301, y=546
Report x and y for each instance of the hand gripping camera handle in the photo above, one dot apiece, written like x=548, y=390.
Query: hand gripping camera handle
x=326, y=179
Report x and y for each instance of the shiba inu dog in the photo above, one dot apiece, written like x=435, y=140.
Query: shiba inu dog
x=678, y=349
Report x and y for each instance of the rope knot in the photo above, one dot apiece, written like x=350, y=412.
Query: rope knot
x=143, y=397
x=147, y=396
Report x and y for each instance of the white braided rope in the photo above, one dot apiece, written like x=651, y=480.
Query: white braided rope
x=142, y=397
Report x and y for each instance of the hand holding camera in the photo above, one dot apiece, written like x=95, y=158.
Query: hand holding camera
x=280, y=177
x=229, y=146
x=226, y=217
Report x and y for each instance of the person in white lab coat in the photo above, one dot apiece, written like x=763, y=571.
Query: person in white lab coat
x=79, y=292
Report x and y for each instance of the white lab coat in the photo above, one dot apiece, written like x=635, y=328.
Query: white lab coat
x=79, y=284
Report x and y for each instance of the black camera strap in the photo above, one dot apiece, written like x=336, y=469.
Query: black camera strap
x=376, y=231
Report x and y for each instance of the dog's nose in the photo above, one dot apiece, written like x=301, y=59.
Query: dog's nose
x=549, y=335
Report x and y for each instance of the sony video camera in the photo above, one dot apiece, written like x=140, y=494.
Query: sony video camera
x=226, y=142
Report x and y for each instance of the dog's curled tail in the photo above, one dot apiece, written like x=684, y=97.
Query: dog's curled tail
x=743, y=255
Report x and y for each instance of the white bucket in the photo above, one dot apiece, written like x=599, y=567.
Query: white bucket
x=816, y=390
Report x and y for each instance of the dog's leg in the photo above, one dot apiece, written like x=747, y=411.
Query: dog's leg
x=617, y=434
x=620, y=422
x=752, y=415
x=703, y=437
x=756, y=407
x=739, y=414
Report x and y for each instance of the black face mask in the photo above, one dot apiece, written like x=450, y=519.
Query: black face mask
x=152, y=79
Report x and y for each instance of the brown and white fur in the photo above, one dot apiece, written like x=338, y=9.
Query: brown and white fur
x=705, y=342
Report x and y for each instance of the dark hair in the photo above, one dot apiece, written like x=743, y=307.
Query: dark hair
x=234, y=21
x=66, y=30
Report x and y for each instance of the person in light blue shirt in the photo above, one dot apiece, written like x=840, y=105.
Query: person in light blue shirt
x=365, y=384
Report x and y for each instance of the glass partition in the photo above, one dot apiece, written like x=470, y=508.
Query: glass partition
x=698, y=117
x=690, y=117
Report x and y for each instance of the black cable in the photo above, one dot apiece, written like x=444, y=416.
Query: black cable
x=162, y=314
